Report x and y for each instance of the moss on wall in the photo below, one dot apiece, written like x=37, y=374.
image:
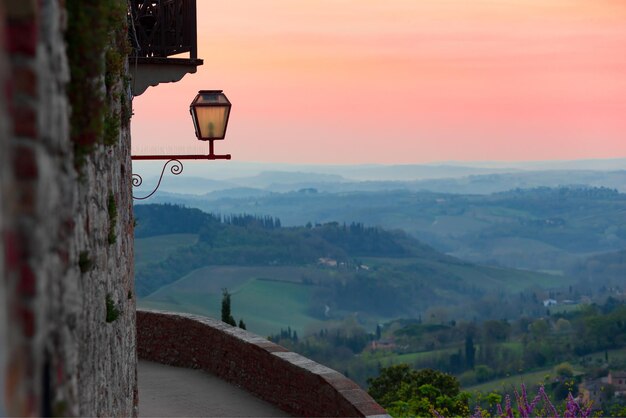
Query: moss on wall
x=112, y=312
x=97, y=47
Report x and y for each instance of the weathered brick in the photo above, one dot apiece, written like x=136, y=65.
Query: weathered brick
x=23, y=9
x=25, y=81
x=12, y=250
x=27, y=198
x=24, y=122
x=28, y=283
x=25, y=163
x=21, y=36
x=27, y=320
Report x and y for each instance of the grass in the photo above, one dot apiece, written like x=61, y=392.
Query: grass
x=386, y=358
x=488, y=277
x=212, y=279
x=269, y=306
x=266, y=304
x=506, y=384
x=155, y=249
x=538, y=376
x=615, y=356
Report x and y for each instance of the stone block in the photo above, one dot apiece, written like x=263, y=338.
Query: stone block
x=25, y=163
x=27, y=321
x=22, y=35
x=24, y=122
x=20, y=10
x=25, y=81
x=27, y=285
x=12, y=250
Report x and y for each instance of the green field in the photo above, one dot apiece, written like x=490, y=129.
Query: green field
x=267, y=298
x=158, y=248
x=616, y=356
x=507, y=384
x=488, y=277
x=386, y=359
x=539, y=376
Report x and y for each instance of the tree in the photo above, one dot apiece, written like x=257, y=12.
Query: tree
x=470, y=352
x=564, y=370
x=404, y=391
x=226, y=315
x=242, y=324
x=539, y=329
x=496, y=331
x=483, y=373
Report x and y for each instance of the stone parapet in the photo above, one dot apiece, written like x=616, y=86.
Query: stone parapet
x=285, y=379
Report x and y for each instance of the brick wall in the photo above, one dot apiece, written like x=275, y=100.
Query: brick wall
x=285, y=379
x=58, y=263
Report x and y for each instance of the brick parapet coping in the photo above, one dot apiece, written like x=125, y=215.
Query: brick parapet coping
x=285, y=379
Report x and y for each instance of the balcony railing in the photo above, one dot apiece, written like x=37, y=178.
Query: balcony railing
x=164, y=31
x=165, y=27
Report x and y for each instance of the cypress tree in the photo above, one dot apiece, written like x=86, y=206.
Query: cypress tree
x=470, y=352
x=226, y=315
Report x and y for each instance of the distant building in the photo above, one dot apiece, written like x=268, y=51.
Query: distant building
x=617, y=379
x=327, y=262
x=549, y=302
x=600, y=390
x=383, y=345
x=594, y=390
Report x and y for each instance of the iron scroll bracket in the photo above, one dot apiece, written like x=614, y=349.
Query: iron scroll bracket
x=175, y=169
x=177, y=166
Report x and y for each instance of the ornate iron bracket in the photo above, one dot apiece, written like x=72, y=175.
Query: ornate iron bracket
x=175, y=169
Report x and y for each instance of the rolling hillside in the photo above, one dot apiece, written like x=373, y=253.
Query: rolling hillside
x=542, y=228
x=299, y=276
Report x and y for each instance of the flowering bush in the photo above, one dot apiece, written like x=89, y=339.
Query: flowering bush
x=539, y=406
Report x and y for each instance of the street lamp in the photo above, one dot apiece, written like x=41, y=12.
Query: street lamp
x=209, y=110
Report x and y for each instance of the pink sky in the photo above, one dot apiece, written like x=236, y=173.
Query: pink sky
x=405, y=81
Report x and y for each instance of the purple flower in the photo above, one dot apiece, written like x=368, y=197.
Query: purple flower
x=437, y=414
x=509, y=410
x=573, y=408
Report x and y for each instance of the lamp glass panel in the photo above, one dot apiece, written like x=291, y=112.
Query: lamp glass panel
x=212, y=121
x=212, y=98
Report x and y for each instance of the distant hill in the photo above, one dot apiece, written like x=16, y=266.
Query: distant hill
x=338, y=268
x=607, y=269
x=448, y=177
x=538, y=228
x=227, y=170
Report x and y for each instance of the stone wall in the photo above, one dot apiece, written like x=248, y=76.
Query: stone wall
x=285, y=379
x=4, y=133
x=67, y=232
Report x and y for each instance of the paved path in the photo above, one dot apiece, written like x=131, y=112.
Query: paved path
x=166, y=391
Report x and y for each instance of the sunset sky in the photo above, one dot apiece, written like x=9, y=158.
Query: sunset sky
x=404, y=81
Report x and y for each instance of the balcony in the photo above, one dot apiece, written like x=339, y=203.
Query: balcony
x=164, y=39
x=281, y=381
